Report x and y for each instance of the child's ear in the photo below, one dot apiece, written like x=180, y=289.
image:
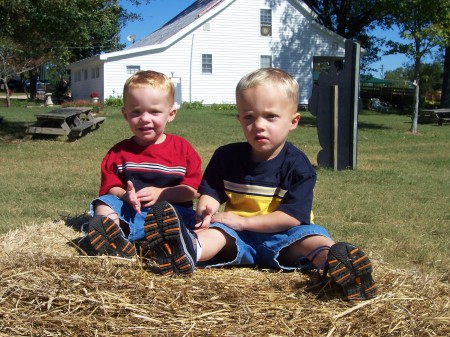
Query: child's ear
x=172, y=114
x=295, y=119
x=124, y=114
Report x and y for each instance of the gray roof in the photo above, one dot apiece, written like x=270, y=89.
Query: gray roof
x=182, y=20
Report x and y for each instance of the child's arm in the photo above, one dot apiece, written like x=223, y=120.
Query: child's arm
x=268, y=223
x=206, y=207
x=148, y=196
x=129, y=195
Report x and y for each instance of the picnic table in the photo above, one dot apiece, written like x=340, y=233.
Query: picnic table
x=441, y=115
x=73, y=122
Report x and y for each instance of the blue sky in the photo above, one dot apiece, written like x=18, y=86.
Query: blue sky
x=158, y=12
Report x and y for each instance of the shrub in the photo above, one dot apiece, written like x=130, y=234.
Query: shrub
x=114, y=101
x=222, y=107
x=192, y=105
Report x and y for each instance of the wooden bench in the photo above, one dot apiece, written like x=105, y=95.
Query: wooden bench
x=440, y=115
x=80, y=130
x=99, y=120
x=73, y=122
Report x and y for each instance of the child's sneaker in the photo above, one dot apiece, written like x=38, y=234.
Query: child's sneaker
x=351, y=268
x=174, y=247
x=106, y=237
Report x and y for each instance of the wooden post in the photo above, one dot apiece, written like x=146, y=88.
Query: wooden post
x=334, y=125
x=335, y=102
x=356, y=53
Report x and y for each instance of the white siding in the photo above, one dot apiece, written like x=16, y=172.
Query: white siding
x=235, y=43
x=82, y=87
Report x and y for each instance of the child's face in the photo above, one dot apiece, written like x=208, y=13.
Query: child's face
x=147, y=111
x=266, y=115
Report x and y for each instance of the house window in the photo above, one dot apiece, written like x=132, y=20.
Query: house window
x=78, y=76
x=207, y=63
x=266, y=61
x=133, y=69
x=266, y=22
x=95, y=72
x=85, y=74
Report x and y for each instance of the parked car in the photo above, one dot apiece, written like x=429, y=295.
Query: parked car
x=38, y=84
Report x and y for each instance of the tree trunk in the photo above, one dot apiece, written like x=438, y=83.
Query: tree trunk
x=416, y=108
x=417, y=61
x=33, y=82
x=7, y=91
x=445, y=97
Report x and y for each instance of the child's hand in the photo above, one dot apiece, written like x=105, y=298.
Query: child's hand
x=131, y=197
x=205, y=219
x=148, y=196
x=230, y=219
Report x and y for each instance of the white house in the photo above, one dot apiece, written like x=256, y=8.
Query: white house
x=210, y=45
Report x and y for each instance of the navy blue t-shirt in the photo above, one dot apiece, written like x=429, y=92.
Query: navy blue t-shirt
x=284, y=183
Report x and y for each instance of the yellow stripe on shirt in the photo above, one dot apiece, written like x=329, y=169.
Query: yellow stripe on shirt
x=251, y=200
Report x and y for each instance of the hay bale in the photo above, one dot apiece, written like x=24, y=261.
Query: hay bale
x=49, y=288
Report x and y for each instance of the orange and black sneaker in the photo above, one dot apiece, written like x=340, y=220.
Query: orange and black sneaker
x=171, y=243
x=106, y=237
x=351, y=268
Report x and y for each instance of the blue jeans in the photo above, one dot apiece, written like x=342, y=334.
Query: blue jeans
x=263, y=249
x=134, y=220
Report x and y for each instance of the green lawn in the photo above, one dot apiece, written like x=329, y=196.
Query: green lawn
x=395, y=205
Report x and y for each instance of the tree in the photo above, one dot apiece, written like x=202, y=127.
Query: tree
x=421, y=24
x=60, y=31
x=430, y=77
x=354, y=19
x=13, y=61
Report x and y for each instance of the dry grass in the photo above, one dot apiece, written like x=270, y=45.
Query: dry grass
x=49, y=288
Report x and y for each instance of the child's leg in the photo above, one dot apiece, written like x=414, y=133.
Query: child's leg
x=102, y=209
x=171, y=243
x=214, y=241
x=348, y=265
x=315, y=248
x=351, y=268
x=105, y=234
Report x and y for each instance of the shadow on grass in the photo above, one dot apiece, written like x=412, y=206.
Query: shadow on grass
x=10, y=131
x=311, y=121
x=372, y=126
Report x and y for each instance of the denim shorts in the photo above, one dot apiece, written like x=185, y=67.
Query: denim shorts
x=263, y=249
x=134, y=220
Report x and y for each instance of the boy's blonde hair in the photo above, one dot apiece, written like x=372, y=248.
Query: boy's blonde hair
x=275, y=76
x=150, y=78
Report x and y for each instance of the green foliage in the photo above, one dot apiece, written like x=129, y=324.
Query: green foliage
x=192, y=105
x=214, y=107
x=420, y=23
x=430, y=79
x=354, y=19
x=60, y=31
x=114, y=101
x=222, y=107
